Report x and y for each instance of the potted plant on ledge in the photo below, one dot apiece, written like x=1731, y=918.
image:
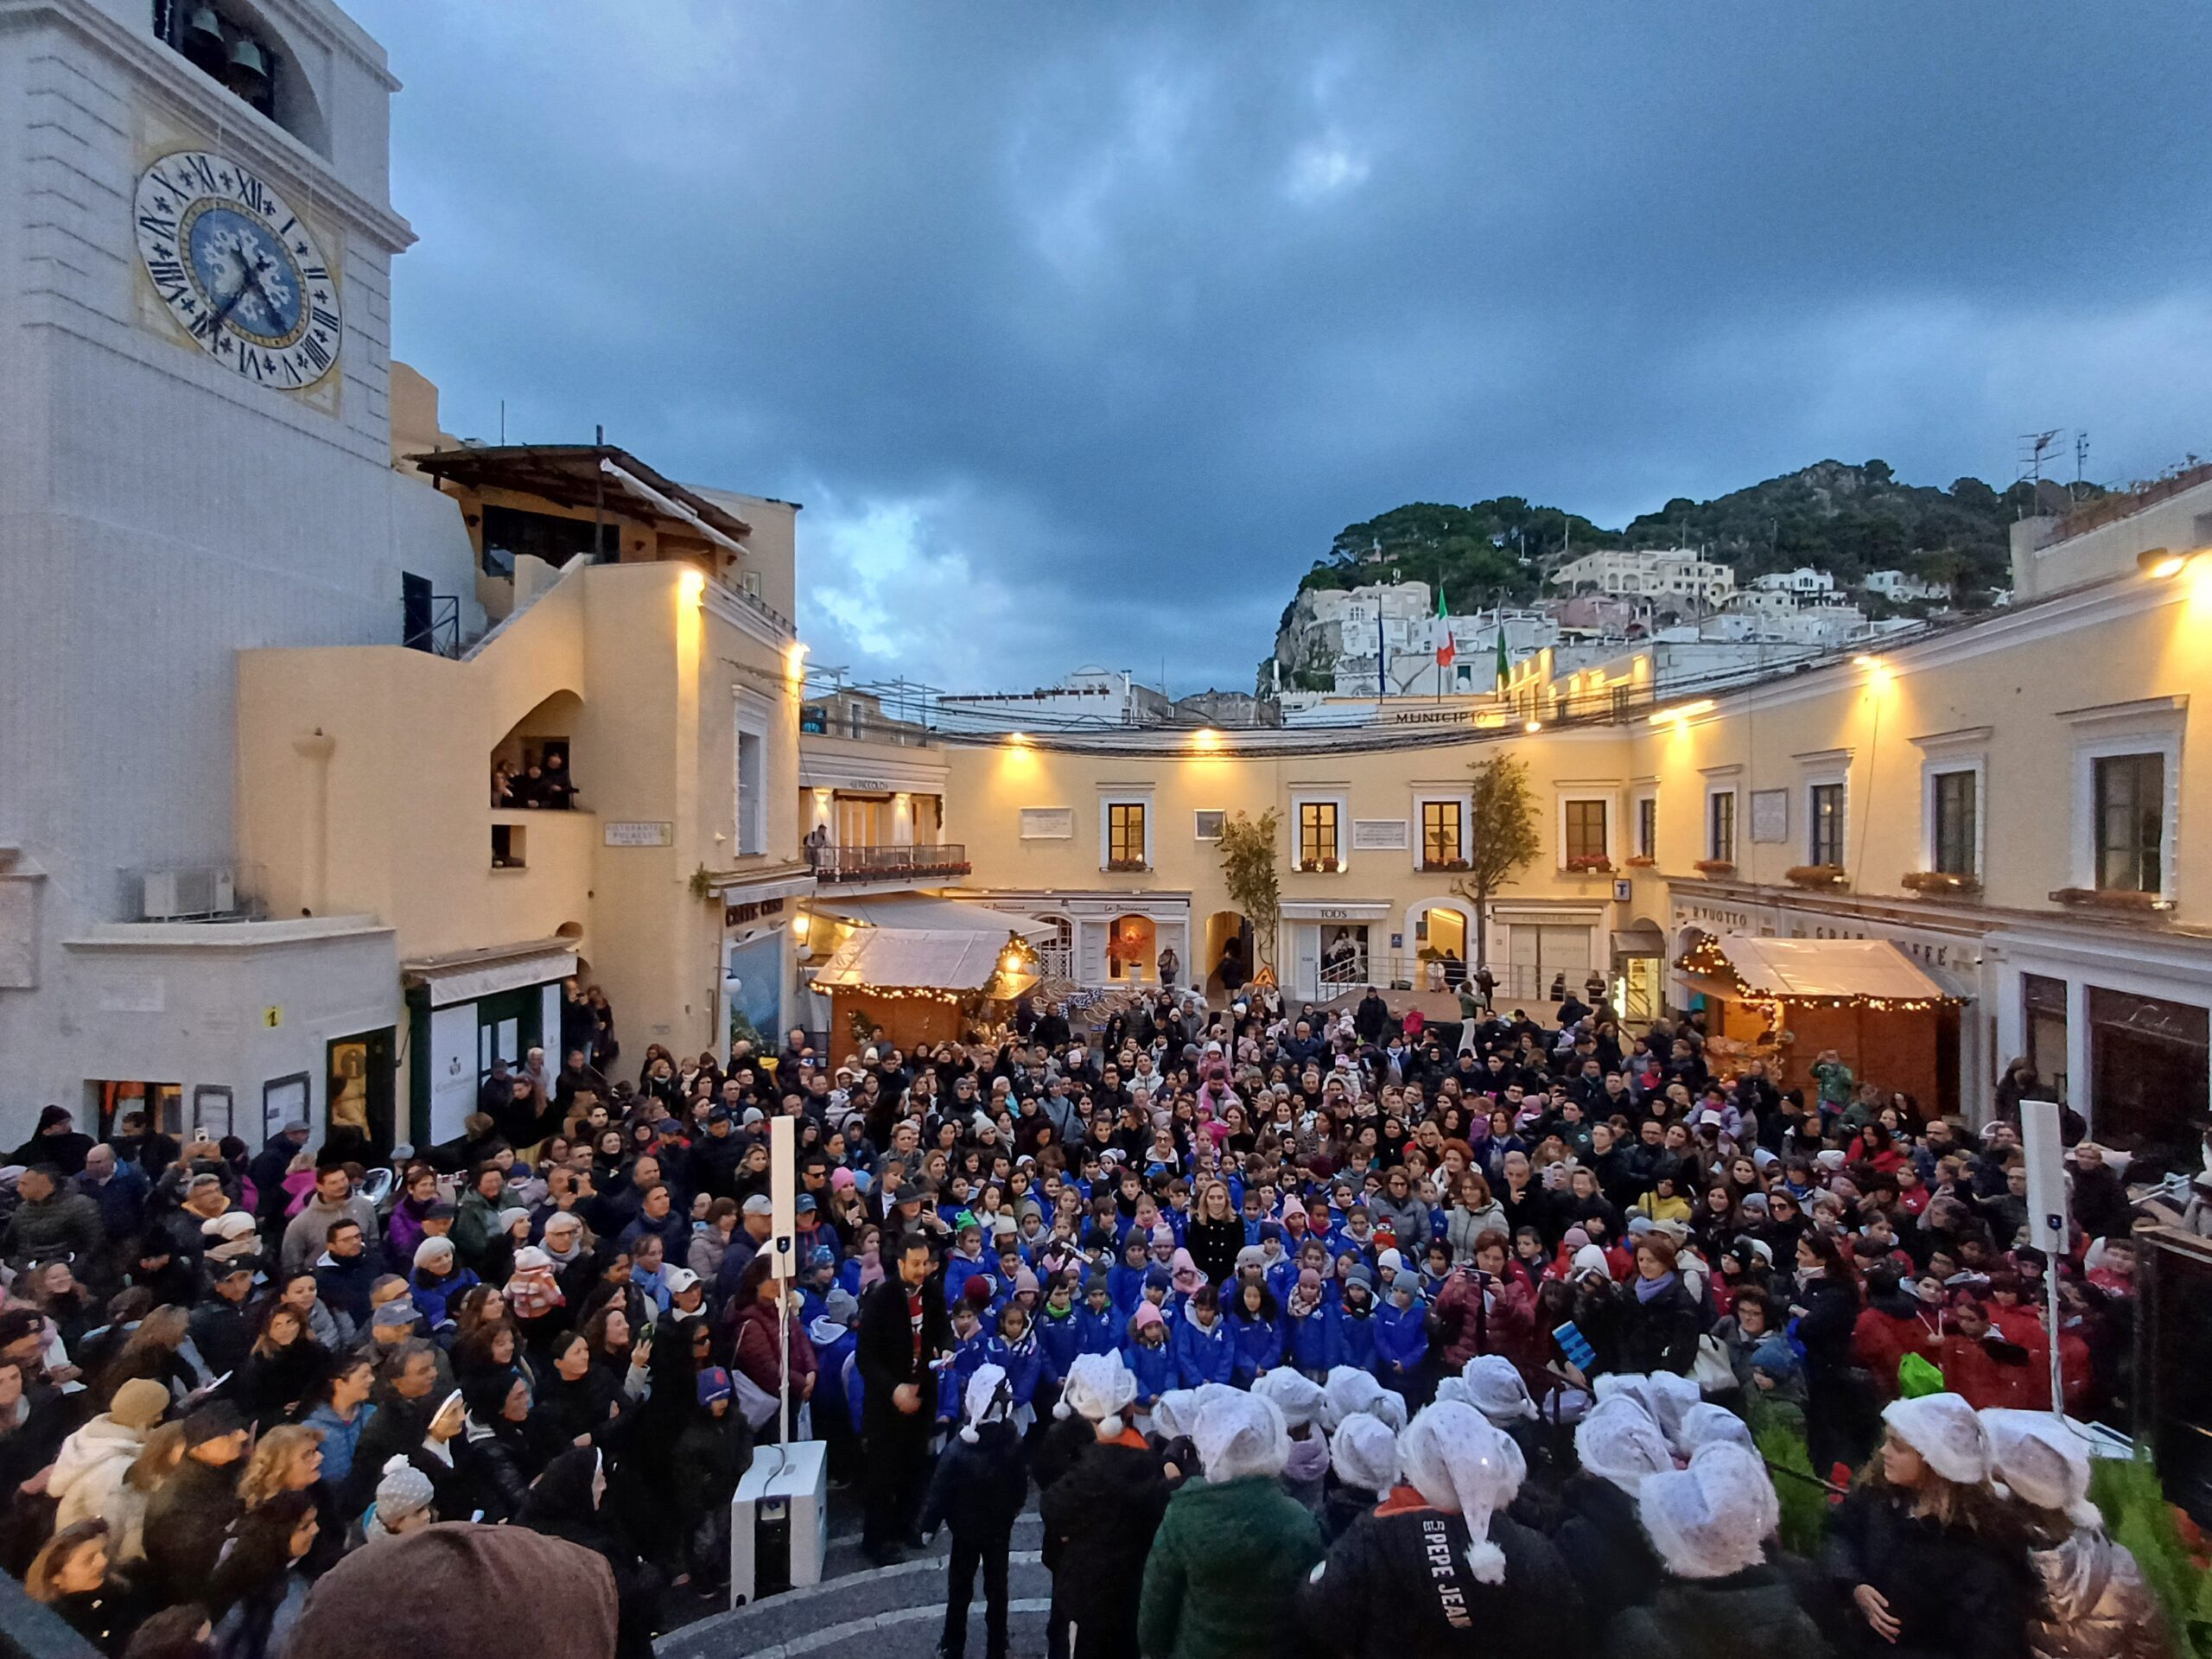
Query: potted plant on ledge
x=1640, y=862
x=1816, y=875
x=1126, y=865
x=1940, y=883
x=1715, y=867
x=1589, y=864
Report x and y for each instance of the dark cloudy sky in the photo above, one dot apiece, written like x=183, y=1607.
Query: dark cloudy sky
x=1081, y=329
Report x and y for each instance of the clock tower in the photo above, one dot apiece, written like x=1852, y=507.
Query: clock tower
x=196, y=305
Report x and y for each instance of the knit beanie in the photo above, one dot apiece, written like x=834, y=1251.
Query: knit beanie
x=139, y=1403
x=433, y=1249
x=1099, y=1388
x=1711, y=1519
x=1496, y=1389
x=1665, y=1398
x=1619, y=1442
x=1943, y=1429
x=1458, y=1463
x=1706, y=1424
x=1297, y=1397
x=2042, y=1459
x=1185, y=1273
x=1364, y=1453
x=715, y=1384
x=986, y=1400
x=1590, y=1259
x=1239, y=1435
x=1146, y=1317
x=404, y=1491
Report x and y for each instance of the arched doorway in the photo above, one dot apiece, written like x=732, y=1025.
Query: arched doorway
x=1441, y=939
x=1225, y=929
x=1132, y=950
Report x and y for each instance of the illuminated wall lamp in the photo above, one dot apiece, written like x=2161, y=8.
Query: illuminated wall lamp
x=2162, y=564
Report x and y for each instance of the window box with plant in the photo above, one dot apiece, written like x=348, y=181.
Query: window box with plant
x=2110, y=899
x=1444, y=864
x=1126, y=866
x=1589, y=864
x=1939, y=883
x=1320, y=866
x=1640, y=862
x=1715, y=867
x=1816, y=875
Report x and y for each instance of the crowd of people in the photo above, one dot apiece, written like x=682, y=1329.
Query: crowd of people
x=1324, y=1328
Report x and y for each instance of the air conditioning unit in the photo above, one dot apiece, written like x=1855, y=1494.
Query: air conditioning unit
x=170, y=895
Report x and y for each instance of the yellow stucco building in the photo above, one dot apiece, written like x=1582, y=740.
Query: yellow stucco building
x=2006, y=800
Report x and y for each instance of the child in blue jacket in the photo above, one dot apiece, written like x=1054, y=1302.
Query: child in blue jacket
x=1402, y=1336
x=1310, y=1327
x=1356, y=1320
x=971, y=1346
x=1098, y=1319
x=1019, y=1352
x=1125, y=1279
x=1146, y=1355
x=1204, y=1351
x=1256, y=1332
x=1059, y=1329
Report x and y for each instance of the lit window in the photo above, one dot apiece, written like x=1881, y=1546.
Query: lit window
x=1317, y=833
x=1439, y=833
x=1125, y=837
x=1586, y=831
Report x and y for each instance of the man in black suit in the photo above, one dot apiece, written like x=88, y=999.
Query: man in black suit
x=904, y=1327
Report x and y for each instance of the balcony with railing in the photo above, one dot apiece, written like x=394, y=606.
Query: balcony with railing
x=850, y=864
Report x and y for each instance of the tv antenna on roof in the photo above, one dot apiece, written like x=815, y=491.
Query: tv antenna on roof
x=2034, y=445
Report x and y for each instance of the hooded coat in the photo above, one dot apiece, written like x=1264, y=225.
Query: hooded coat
x=1100, y=1518
x=1605, y=1549
x=89, y=1471
x=1748, y=1615
x=1396, y=1585
x=1224, y=1576
x=560, y=1505
x=2093, y=1604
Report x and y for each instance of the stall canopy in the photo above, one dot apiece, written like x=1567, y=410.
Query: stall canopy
x=913, y=958
x=1871, y=971
x=920, y=912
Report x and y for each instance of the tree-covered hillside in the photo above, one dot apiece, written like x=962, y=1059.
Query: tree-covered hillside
x=1844, y=519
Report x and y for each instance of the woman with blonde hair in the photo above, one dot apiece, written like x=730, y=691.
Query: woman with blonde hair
x=1921, y=1550
x=288, y=1459
x=126, y=1511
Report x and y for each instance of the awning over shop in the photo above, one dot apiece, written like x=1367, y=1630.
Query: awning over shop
x=1827, y=970
x=915, y=910
x=1639, y=942
x=466, y=975
x=759, y=887
x=913, y=958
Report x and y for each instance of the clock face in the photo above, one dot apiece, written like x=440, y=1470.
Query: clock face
x=238, y=270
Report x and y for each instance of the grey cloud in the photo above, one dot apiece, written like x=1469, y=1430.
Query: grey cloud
x=1112, y=314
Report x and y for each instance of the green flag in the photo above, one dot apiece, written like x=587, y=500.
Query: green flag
x=1504, y=662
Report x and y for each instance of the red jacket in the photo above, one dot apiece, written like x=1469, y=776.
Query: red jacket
x=759, y=1348
x=1880, y=1342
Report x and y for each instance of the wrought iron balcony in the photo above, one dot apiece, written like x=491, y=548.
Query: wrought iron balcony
x=863, y=863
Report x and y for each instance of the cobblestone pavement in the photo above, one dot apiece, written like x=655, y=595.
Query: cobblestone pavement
x=888, y=1612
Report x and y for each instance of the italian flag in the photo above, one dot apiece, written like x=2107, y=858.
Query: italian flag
x=1445, y=651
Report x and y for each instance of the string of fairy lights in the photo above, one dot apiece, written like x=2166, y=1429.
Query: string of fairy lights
x=1705, y=960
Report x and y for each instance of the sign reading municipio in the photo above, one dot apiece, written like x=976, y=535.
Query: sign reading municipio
x=643, y=833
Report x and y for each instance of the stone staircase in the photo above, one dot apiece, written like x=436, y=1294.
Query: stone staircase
x=863, y=1612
